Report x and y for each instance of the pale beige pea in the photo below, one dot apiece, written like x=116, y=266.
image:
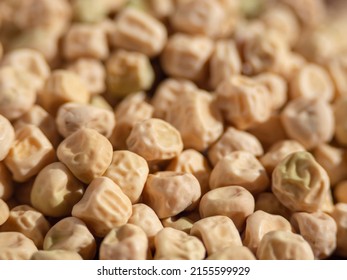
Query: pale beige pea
x=62, y=86
x=128, y=242
x=17, y=92
x=154, y=140
x=173, y=244
x=16, y=246
x=284, y=245
x=86, y=153
x=139, y=31
x=7, y=137
x=6, y=183
x=187, y=57
x=92, y=72
x=258, y=224
x=128, y=72
x=56, y=255
x=28, y=221
x=340, y=216
x=169, y=193
x=300, y=183
x=129, y=171
x=278, y=152
x=240, y=168
x=71, y=234
x=32, y=62
x=167, y=94
x=234, y=202
x=319, y=230
x=4, y=212
x=269, y=203
x=103, y=206
x=205, y=121
x=193, y=162
x=85, y=40
x=310, y=122
x=145, y=217
x=132, y=109
x=30, y=152
x=55, y=190
x=234, y=140
x=43, y=120
x=243, y=101
x=217, y=233
x=74, y=116
x=333, y=160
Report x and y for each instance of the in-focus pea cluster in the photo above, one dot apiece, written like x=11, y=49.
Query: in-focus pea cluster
x=173, y=129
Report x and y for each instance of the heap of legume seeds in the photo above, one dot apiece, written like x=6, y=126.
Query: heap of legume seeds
x=173, y=129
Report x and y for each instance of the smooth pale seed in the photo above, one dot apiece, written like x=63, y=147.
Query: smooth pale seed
x=312, y=81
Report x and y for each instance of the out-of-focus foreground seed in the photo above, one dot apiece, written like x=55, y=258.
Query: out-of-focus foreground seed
x=284, y=245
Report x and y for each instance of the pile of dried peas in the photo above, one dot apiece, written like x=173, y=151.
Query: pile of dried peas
x=173, y=129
